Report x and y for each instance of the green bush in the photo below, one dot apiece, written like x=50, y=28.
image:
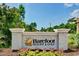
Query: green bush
x=72, y=43
x=3, y=43
x=77, y=39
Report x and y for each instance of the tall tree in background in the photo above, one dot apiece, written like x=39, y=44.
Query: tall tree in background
x=22, y=11
x=31, y=27
x=43, y=29
x=71, y=24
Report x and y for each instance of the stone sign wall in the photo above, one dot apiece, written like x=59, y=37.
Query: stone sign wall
x=41, y=40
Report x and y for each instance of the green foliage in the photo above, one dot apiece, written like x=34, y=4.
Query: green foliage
x=22, y=11
x=72, y=20
x=72, y=43
x=39, y=53
x=43, y=29
x=10, y=18
x=73, y=40
x=72, y=27
x=13, y=18
x=69, y=25
x=49, y=29
x=77, y=39
x=31, y=27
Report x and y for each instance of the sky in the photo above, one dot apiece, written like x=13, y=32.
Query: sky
x=45, y=14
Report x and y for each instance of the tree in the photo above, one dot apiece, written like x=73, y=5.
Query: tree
x=62, y=25
x=22, y=11
x=49, y=29
x=72, y=20
x=72, y=27
x=31, y=27
x=71, y=24
x=43, y=29
x=56, y=27
x=11, y=18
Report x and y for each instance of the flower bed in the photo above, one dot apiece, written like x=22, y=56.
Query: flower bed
x=39, y=52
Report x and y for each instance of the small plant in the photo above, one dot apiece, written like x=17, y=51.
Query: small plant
x=36, y=52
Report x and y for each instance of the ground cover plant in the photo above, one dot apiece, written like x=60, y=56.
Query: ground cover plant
x=39, y=52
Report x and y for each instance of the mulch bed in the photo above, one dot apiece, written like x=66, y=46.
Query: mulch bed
x=9, y=52
x=71, y=52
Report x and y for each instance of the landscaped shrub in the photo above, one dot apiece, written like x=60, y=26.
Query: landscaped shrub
x=37, y=52
x=77, y=39
x=72, y=43
x=3, y=43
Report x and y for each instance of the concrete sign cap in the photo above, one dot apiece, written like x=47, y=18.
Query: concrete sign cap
x=17, y=29
x=61, y=30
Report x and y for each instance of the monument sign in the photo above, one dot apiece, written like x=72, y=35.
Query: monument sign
x=41, y=40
